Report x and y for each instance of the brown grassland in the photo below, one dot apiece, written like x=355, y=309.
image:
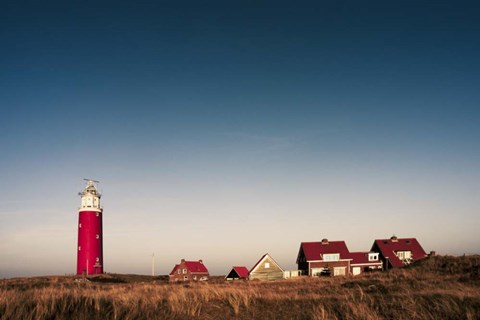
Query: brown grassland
x=440, y=287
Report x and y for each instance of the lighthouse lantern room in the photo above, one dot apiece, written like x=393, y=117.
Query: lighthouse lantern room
x=90, y=236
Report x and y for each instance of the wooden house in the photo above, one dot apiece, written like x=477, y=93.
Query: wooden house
x=237, y=273
x=189, y=271
x=398, y=252
x=266, y=269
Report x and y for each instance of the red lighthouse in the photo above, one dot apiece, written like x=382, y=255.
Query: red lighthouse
x=90, y=236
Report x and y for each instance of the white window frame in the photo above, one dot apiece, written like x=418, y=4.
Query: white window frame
x=373, y=256
x=184, y=271
x=331, y=257
x=404, y=255
x=267, y=265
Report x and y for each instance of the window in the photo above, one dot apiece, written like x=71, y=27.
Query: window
x=339, y=271
x=331, y=257
x=185, y=278
x=194, y=277
x=404, y=255
x=97, y=236
x=184, y=271
x=372, y=256
x=97, y=259
x=79, y=248
x=79, y=225
x=179, y=271
x=267, y=265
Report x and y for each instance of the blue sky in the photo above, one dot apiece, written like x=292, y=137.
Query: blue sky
x=224, y=131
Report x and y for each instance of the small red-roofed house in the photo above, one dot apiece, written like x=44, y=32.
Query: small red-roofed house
x=189, y=271
x=324, y=258
x=237, y=273
x=266, y=269
x=364, y=261
x=398, y=252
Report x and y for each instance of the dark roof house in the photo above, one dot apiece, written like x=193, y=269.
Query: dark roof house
x=237, y=273
x=398, y=252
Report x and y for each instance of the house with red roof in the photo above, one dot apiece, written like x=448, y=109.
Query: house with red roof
x=266, y=269
x=324, y=258
x=364, y=262
x=237, y=273
x=332, y=258
x=189, y=271
x=398, y=252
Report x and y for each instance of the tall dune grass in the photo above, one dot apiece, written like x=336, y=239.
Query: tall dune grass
x=437, y=288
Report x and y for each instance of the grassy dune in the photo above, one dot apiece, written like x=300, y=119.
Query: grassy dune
x=436, y=288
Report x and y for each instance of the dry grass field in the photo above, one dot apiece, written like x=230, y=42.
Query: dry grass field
x=437, y=288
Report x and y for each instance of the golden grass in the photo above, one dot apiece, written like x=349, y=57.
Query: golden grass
x=437, y=288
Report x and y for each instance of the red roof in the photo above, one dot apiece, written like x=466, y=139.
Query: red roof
x=196, y=267
x=174, y=270
x=362, y=258
x=388, y=247
x=241, y=271
x=314, y=250
x=192, y=266
x=359, y=257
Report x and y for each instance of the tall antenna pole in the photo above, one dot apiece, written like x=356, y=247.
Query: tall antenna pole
x=153, y=264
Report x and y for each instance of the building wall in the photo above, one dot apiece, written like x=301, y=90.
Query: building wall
x=366, y=267
x=385, y=264
x=330, y=264
x=302, y=263
x=90, y=243
x=273, y=272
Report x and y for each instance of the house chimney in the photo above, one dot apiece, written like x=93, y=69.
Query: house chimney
x=201, y=261
x=432, y=253
x=394, y=238
x=324, y=241
x=183, y=260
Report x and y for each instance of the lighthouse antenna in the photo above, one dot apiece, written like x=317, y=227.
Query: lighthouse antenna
x=87, y=179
